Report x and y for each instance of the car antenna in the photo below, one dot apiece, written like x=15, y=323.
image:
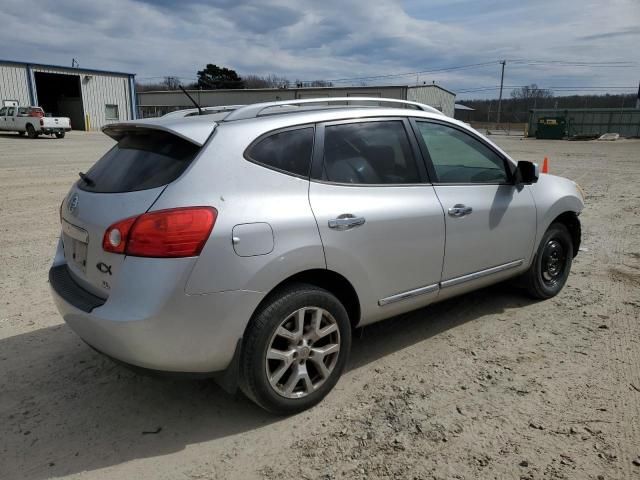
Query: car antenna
x=192, y=100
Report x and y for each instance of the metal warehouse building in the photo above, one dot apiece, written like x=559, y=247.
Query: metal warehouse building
x=156, y=103
x=90, y=98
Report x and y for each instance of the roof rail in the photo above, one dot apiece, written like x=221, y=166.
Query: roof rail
x=254, y=110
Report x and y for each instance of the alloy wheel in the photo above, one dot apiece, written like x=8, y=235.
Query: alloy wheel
x=303, y=352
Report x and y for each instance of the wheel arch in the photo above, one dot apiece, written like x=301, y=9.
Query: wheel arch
x=329, y=280
x=570, y=220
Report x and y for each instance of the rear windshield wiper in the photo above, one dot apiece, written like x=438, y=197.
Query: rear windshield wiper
x=86, y=179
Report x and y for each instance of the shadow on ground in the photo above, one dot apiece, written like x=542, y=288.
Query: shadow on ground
x=66, y=409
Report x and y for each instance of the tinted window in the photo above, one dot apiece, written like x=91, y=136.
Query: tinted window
x=139, y=161
x=369, y=153
x=460, y=158
x=289, y=151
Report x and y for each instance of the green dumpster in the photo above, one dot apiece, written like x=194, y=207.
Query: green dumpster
x=551, y=128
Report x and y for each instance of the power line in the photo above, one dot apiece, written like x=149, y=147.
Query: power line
x=572, y=63
x=420, y=72
x=516, y=62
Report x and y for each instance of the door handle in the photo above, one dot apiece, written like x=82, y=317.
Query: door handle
x=460, y=210
x=346, y=221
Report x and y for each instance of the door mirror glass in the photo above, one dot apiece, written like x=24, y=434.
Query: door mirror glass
x=526, y=172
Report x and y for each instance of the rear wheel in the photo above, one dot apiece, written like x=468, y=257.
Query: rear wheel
x=295, y=349
x=551, y=266
x=59, y=134
x=31, y=132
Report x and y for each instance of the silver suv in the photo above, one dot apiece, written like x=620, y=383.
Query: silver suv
x=248, y=247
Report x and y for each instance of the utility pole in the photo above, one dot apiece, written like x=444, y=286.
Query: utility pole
x=503, y=62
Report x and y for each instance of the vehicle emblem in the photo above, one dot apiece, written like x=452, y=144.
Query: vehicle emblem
x=72, y=205
x=104, y=268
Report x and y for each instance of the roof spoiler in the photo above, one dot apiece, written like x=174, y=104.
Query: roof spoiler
x=196, y=133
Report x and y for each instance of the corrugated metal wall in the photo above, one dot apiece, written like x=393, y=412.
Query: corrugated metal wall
x=13, y=84
x=434, y=96
x=592, y=121
x=99, y=90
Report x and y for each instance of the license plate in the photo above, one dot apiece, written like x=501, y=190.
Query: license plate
x=76, y=241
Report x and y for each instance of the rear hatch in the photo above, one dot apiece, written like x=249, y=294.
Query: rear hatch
x=125, y=182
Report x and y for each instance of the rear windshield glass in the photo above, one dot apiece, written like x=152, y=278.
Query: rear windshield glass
x=140, y=160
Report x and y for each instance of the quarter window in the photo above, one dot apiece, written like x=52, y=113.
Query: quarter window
x=369, y=153
x=288, y=151
x=460, y=158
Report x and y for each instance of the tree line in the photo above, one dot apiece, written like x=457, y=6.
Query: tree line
x=213, y=77
x=515, y=109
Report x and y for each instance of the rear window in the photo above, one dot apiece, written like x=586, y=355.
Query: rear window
x=140, y=161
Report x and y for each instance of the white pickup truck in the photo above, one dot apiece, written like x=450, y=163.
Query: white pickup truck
x=32, y=121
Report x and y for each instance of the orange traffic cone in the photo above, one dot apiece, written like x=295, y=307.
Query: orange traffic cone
x=545, y=165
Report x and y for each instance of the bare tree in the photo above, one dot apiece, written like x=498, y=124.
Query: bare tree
x=530, y=96
x=313, y=83
x=171, y=83
x=269, y=81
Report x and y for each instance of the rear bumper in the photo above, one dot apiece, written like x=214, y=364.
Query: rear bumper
x=54, y=130
x=153, y=324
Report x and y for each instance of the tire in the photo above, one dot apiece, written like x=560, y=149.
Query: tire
x=31, y=132
x=59, y=134
x=299, y=381
x=551, y=265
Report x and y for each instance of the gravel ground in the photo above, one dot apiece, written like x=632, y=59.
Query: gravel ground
x=488, y=385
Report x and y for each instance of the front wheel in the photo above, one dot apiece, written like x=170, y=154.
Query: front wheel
x=551, y=266
x=295, y=349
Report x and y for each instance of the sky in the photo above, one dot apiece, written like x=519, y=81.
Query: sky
x=569, y=45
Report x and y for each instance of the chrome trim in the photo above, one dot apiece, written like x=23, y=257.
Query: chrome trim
x=346, y=221
x=480, y=274
x=75, y=232
x=409, y=294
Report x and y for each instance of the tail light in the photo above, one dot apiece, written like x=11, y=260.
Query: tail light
x=177, y=232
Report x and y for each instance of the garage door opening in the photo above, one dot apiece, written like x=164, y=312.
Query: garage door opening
x=60, y=95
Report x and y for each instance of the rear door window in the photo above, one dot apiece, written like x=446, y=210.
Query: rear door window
x=288, y=151
x=140, y=161
x=374, y=152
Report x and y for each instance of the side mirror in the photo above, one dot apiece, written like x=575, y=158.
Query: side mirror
x=526, y=173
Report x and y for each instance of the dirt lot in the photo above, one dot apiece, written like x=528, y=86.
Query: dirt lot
x=489, y=385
